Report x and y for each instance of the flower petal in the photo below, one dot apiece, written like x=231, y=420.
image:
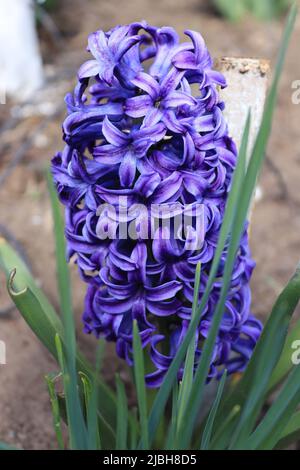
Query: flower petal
x=179, y=98
x=163, y=292
x=138, y=106
x=127, y=170
x=145, y=82
x=90, y=68
x=112, y=134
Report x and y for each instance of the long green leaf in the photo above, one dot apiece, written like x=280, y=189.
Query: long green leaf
x=76, y=425
x=291, y=432
x=269, y=431
x=50, y=380
x=9, y=261
x=212, y=414
x=170, y=443
x=284, y=365
x=264, y=358
x=122, y=416
x=94, y=438
x=220, y=435
x=253, y=387
x=41, y=320
x=63, y=276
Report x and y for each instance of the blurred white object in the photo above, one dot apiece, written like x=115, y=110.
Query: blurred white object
x=21, y=70
x=2, y=353
x=247, y=81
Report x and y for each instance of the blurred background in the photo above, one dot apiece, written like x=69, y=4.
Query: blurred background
x=40, y=61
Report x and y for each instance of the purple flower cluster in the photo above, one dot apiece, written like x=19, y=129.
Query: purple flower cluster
x=145, y=122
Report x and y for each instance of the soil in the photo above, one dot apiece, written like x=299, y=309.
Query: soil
x=25, y=417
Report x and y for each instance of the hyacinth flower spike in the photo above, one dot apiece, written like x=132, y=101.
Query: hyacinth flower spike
x=145, y=126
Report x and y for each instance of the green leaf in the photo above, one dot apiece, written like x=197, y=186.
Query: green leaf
x=269, y=431
x=221, y=435
x=291, y=432
x=187, y=381
x=32, y=310
x=41, y=318
x=172, y=432
x=79, y=438
x=97, y=424
x=76, y=425
x=9, y=261
x=251, y=390
x=265, y=354
x=133, y=434
x=50, y=380
x=139, y=376
x=122, y=416
x=63, y=275
x=233, y=10
x=212, y=414
x=94, y=438
x=68, y=316
x=285, y=364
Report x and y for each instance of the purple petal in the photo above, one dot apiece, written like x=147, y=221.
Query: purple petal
x=89, y=69
x=167, y=189
x=127, y=170
x=116, y=37
x=97, y=44
x=185, y=60
x=163, y=292
x=147, y=183
x=216, y=77
x=164, y=309
x=179, y=98
x=153, y=117
x=113, y=306
x=171, y=81
x=201, y=53
x=125, y=45
x=148, y=84
x=138, y=106
x=109, y=154
x=166, y=39
x=112, y=134
x=162, y=247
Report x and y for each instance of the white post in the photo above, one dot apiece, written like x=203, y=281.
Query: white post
x=2, y=353
x=21, y=71
x=247, y=81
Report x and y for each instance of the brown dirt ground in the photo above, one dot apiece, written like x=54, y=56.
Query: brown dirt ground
x=25, y=417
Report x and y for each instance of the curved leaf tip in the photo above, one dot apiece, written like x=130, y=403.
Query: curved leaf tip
x=10, y=281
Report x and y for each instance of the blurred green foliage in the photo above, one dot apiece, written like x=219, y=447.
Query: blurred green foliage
x=235, y=10
x=48, y=4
